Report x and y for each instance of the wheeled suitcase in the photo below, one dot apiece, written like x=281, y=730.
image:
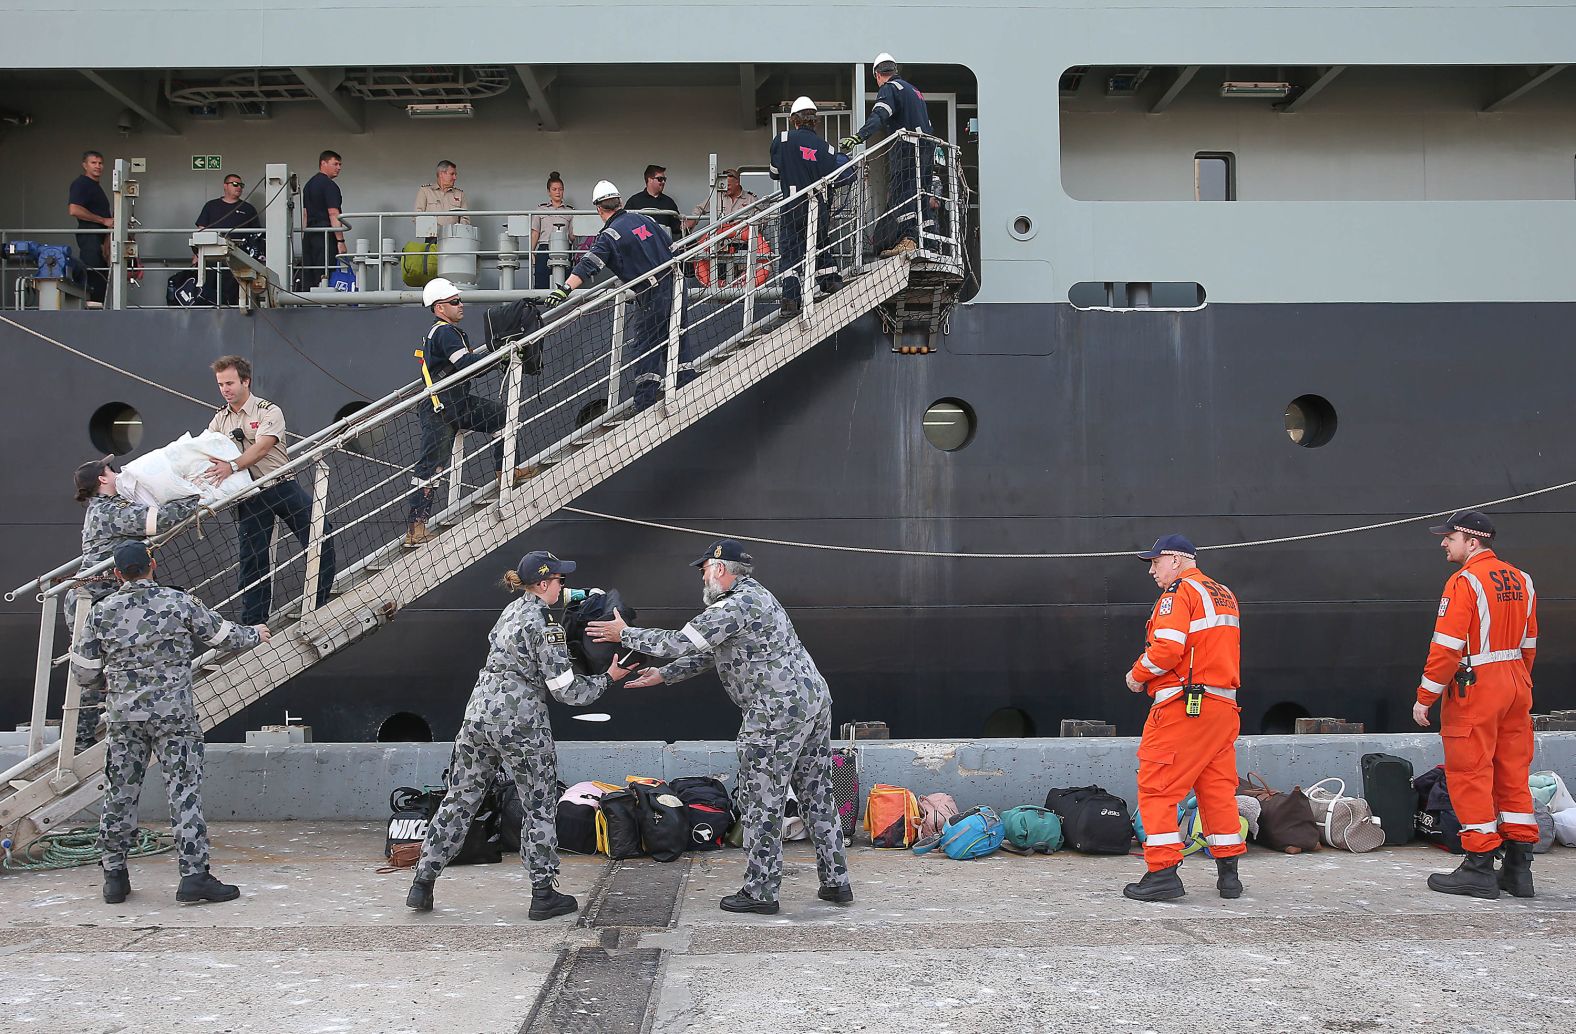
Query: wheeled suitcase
x=1387, y=787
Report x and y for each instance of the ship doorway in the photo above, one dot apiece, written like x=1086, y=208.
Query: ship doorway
x=404, y=727
x=1013, y=723
x=1281, y=718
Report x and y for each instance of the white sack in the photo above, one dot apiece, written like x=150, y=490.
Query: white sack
x=1565, y=827
x=173, y=471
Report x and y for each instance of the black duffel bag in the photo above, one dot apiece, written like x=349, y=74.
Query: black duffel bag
x=708, y=808
x=410, y=811
x=512, y=321
x=1436, y=818
x=664, y=823
x=618, y=825
x=1094, y=820
x=588, y=656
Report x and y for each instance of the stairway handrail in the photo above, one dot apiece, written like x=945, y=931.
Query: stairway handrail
x=333, y=437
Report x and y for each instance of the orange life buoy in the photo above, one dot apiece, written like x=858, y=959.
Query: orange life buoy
x=732, y=239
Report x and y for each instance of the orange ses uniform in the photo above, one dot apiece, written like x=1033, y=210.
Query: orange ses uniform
x=1195, y=625
x=1490, y=613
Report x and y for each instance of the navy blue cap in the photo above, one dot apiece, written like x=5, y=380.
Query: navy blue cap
x=1469, y=522
x=540, y=565
x=724, y=549
x=1169, y=544
x=132, y=557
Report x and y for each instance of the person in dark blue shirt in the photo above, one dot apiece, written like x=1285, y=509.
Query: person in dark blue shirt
x=444, y=352
x=632, y=246
x=229, y=212
x=899, y=107
x=655, y=196
x=89, y=205
x=322, y=202
x=799, y=157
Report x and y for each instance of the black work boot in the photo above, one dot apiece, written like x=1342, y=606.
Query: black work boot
x=1226, y=879
x=742, y=902
x=546, y=902
x=204, y=886
x=420, y=896
x=1474, y=877
x=789, y=307
x=843, y=895
x=1515, y=878
x=1157, y=885
x=117, y=884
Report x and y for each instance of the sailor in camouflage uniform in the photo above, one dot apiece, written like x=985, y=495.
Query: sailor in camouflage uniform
x=111, y=520
x=506, y=723
x=138, y=646
x=786, y=736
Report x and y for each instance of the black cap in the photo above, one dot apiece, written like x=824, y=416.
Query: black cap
x=132, y=558
x=1469, y=522
x=1174, y=545
x=87, y=475
x=540, y=565
x=724, y=549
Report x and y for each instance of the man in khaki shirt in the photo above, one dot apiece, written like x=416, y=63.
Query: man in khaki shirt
x=443, y=196
x=258, y=428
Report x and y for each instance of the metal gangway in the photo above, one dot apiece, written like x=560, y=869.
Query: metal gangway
x=571, y=420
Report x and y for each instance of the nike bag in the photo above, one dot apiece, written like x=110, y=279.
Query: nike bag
x=891, y=816
x=707, y=808
x=1286, y=821
x=664, y=826
x=1436, y=817
x=418, y=263
x=410, y=810
x=618, y=825
x=1094, y=820
x=576, y=817
x=1387, y=786
x=845, y=788
x=1027, y=829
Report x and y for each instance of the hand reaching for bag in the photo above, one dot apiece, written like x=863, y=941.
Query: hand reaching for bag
x=647, y=678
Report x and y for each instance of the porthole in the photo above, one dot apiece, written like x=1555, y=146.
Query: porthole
x=115, y=427
x=592, y=410
x=1021, y=227
x=404, y=727
x=369, y=439
x=1009, y=723
x=1281, y=718
x=949, y=424
x=1310, y=421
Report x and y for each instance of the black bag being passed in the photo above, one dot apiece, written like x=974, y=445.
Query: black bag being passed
x=509, y=323
x=588, y=656
x=1094, y=821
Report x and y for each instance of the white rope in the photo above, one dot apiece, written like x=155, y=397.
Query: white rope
x=944, y=555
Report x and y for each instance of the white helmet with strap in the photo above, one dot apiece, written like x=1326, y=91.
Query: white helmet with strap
x=604, y=191
x=802, y=104
x=437, y=290
x=886, y=59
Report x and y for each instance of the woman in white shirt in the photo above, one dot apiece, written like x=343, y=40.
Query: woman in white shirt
x=553, y=215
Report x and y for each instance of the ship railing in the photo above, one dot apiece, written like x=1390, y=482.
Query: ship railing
x=599, y=359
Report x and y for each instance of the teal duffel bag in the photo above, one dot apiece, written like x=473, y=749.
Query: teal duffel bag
x=1029, y=829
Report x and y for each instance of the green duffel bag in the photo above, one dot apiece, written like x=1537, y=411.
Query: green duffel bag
x=419, y=263
x=1031, y=829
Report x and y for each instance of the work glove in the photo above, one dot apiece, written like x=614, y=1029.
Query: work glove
x=848, y=144
x=558, y=297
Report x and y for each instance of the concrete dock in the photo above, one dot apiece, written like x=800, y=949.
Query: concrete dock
x=322, y=943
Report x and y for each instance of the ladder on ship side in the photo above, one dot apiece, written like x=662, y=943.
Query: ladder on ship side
x=574, y=425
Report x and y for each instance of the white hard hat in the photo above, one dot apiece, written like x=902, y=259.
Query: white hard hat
x=802, y=104
x=883, y=59
x=438, y=289
x=604, y=190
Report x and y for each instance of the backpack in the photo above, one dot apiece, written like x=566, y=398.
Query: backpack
x=618, y=825
x=845, y=788
x=418, y=263
x=1387, y=786
x=184, y=291
x=664, y=825
x=576, y=818
x=514, y=320
x=1435, y=818
x=1286, y=821
x=1094, y=821
x=410, y=810
x=708, y=808
x=587, y=656
x=891, y=816
x=934, y=811
x=1027, y=829
x=973, y=834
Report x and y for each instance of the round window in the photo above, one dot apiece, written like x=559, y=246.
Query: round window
x=115, y=427
x=949, y=424
x=1310, y=421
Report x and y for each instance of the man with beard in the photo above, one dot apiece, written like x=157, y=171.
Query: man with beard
x=786, y=736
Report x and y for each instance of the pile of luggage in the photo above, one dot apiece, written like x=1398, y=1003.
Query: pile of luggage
x=1419, y=808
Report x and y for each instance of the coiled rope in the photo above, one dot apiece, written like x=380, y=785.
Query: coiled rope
x=67, y=848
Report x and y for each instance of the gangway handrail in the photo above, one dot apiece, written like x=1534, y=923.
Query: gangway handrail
x=342, y=430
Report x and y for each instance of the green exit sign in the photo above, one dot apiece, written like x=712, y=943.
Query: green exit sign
x=207, y=162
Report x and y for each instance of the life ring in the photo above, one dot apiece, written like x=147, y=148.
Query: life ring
x=731, y=238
